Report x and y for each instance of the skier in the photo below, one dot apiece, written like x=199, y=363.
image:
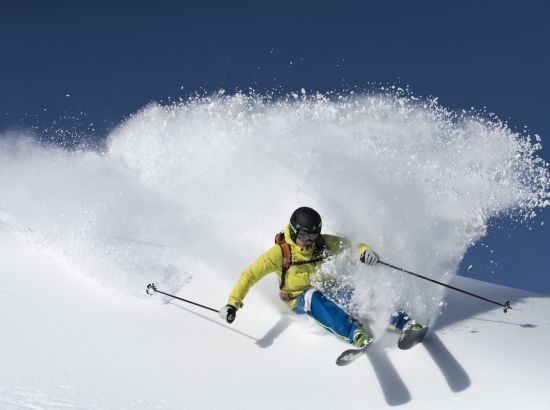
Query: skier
x=297, y=254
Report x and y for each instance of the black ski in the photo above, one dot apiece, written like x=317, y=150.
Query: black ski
x=410, y=338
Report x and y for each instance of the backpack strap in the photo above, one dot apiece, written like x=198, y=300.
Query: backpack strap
x=321, y=254
x=287, y=256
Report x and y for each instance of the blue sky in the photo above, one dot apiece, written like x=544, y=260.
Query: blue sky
x=84, y=66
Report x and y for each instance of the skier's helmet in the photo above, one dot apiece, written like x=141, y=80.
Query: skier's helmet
x=305, y=224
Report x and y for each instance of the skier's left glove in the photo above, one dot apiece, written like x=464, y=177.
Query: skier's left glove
x=228, y=313
x=369, y=257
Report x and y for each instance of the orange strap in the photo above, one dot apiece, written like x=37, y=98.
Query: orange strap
x=287, y=256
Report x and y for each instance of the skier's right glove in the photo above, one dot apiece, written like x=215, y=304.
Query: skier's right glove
x=369, y=257
x=228, y=313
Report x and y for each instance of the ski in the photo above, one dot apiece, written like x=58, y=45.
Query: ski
x=350, y=355
x=410, y=338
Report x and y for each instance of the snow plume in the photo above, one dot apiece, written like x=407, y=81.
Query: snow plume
x=201, y=187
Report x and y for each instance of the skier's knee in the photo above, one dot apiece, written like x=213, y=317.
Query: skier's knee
x=303, y=303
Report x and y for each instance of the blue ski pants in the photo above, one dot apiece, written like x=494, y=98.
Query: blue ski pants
x=327, y=313
x=333, y=318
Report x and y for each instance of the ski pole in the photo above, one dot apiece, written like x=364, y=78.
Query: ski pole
x=506, y=305
x=152, y=288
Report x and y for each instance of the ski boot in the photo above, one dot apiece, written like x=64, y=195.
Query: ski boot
x=411, y=332
x=402, y=322
x=361, y=338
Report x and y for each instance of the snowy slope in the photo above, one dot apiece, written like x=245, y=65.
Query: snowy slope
x=68, y=342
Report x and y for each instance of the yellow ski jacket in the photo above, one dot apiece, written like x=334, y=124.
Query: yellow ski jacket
x=297, y=276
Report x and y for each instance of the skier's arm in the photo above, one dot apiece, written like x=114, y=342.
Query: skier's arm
x=337, y=244
x=269, y=262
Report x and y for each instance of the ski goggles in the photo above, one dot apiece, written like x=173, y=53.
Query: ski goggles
x=306, y=236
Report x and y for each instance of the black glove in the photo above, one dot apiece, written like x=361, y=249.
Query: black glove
x=228, y=313
x=369, y=257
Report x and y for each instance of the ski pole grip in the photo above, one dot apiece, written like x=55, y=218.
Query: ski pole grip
x=507, y=306
x=151, y=289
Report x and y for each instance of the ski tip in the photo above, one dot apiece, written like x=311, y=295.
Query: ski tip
x=350, y=355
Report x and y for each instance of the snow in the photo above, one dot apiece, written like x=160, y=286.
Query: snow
x=188, y=195
x=68, y=342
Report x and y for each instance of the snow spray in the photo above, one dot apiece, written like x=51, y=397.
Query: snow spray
x=206, y=183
